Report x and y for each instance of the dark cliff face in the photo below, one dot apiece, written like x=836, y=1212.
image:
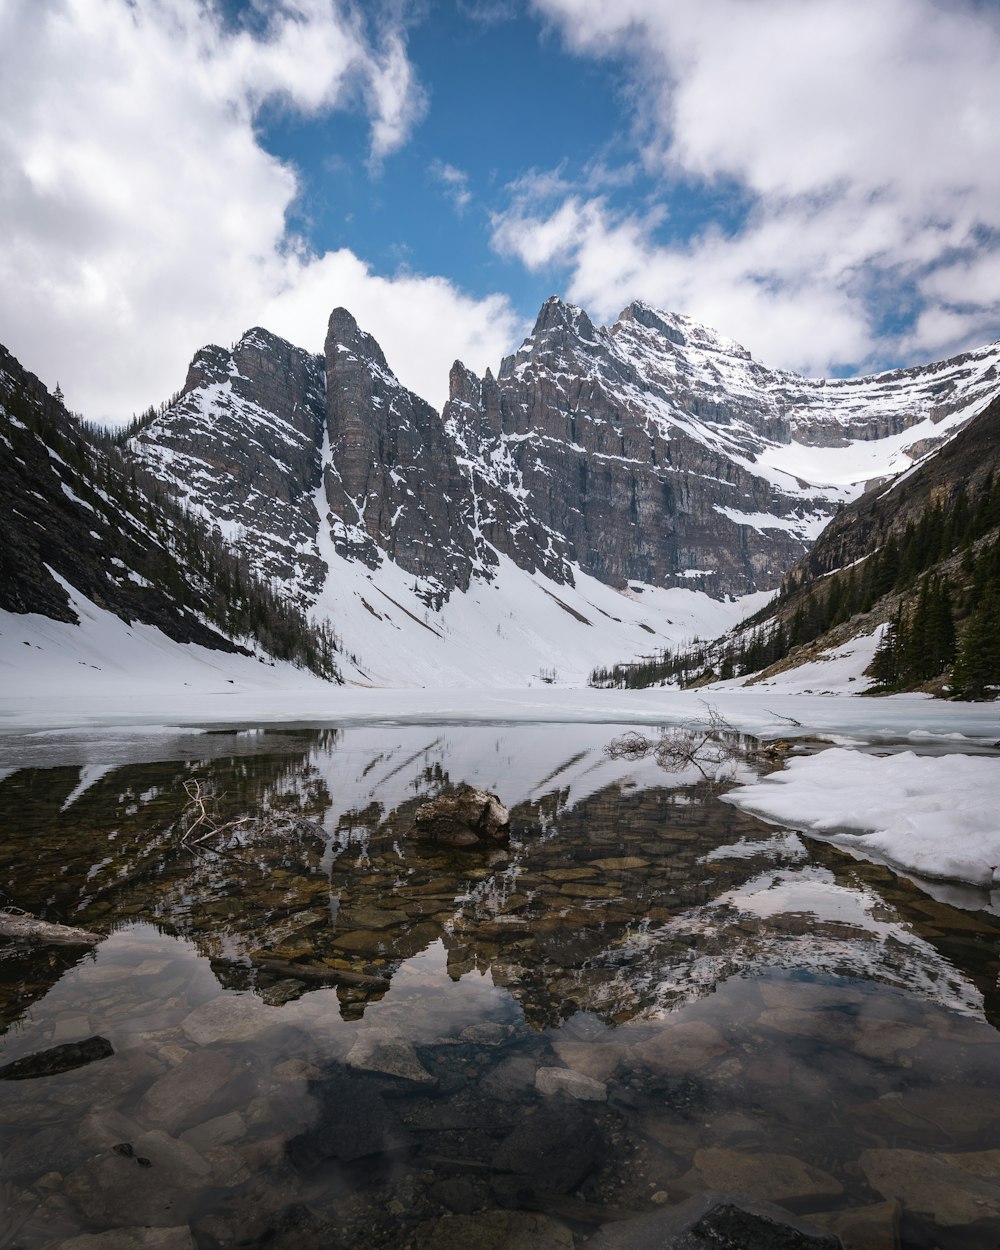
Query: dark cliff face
x=606, y=483
x=967, y=466
x=392, y=480
x=69, y=511
x=243, y=447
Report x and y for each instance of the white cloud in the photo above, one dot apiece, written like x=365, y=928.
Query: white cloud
x=455, y=183
x=142, y=217
x=862, y=136
x=423, y=324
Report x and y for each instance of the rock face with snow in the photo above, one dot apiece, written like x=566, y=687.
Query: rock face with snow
x=68, y=513
x=653, y=451
x=392, y=482
x=242, y=446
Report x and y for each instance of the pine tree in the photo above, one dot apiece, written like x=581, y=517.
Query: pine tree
x=884, y=668
x=977, y=668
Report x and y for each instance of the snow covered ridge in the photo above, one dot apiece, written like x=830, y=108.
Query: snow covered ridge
x=935, y=816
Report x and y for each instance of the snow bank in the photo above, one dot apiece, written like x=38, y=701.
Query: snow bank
x=935, y=816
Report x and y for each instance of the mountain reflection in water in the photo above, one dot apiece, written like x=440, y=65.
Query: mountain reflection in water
x=722, y=1005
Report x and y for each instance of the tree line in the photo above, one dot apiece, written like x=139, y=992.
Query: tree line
x=944, y=624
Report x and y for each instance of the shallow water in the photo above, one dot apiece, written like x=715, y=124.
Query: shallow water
x=326, y=1034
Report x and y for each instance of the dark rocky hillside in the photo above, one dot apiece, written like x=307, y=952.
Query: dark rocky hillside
x=74, y=511
x=920, y=556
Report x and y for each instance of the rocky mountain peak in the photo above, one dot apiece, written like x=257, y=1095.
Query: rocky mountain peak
x=392, y=484
x=241, y=446
x=679, y=330
x=345, y=338
x=464, y=386
x=556, y=314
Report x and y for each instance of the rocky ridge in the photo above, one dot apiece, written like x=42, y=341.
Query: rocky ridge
x=242, y=447
x=653, y=452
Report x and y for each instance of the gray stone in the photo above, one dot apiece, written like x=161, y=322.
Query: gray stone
x=549, y=1151
x=550, y=1081
x=353, y=1122
x=57, y=1059
x=177, y=1162
x=469, y=817
x=391, y=1057
x=875, y=1227
x=221, y=1131
x=178, y=1238
x=46, y=1150
x=114, y=1191
x=681, y=1046
x=206, y=1084
x=494, y=1230
x=229, y=1018
x=70, y=1029
x=510, y=1078
x=599, y=1060
x=770, y=1177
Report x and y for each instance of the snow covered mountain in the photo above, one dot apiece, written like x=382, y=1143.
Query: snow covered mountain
x=97, y=568
x=609, y=491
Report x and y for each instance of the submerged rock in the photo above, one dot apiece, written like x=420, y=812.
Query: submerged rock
x=952, y=1189
x=469, y=817
x=549, y=1152
x=57, y=1059
x=354, y=1123
x=715, y=1220
x=769, y=1177
x=392, y=1056
x=178, y=1238
x=549, y=1081
x=494, y=1230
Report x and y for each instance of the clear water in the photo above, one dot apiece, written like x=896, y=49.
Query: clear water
x=327, y=1034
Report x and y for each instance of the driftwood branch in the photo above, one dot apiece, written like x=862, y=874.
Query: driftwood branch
x=710, y=744
x=23, y=927
x=201, y=817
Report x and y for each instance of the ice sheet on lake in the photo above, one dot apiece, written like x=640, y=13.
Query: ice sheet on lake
x=936, y=816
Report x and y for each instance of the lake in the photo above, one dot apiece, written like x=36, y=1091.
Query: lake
x=323, y=1032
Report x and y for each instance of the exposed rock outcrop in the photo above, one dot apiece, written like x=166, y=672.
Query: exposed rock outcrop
x=652, y=451
x=243, y=446
x=469, y=817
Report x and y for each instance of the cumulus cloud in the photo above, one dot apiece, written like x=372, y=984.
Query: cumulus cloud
x=423, y=324
x=860, y=139
x=142, y=217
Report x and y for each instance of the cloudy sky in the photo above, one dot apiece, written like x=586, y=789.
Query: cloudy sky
x=819, y=179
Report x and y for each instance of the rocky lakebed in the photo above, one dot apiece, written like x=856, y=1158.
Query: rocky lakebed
x=635, y=1015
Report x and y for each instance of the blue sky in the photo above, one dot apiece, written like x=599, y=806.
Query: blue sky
x=819, y=179
x=501, y=98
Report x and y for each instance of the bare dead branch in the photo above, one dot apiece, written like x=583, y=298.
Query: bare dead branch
x=709, y=744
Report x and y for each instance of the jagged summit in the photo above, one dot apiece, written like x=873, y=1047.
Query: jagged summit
x=678, y=329
x=557, y=314
x=653, y=457
x=346, y=338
